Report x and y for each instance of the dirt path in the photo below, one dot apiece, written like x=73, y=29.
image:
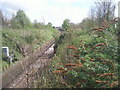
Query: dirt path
x=25, y=79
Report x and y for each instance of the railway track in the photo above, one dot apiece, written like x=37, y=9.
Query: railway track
x=24, y=72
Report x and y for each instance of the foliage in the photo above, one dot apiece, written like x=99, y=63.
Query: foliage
x=87, y=24
x=49, y=24
x=85, y=60
x=22, y=41
x=65, y=24
x=38, y=25
x=20, y=20
x=99, y=12
x=35, y=24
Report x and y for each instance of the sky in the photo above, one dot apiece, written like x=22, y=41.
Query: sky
x=54, y=11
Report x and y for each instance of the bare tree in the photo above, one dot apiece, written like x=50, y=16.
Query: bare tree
x=103, y=10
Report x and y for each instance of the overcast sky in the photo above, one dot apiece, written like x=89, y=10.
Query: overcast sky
x=54, y=11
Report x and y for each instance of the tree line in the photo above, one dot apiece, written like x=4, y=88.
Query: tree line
x=101, y=11
x=21, y=20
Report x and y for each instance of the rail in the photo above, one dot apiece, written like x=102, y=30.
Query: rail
x=12, y=72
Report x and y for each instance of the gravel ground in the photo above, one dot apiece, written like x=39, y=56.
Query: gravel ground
x=25, y=79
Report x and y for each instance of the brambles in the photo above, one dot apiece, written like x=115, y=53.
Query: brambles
x=97, y=45
x=72, y=66
x=103, y=27
x=113, y=84
x=60, y=68
x=60, y=71
x=106, y=26
x=89, y=62
x=72, y=47
x=105, y=74
x=86, y=60
x=98, y=81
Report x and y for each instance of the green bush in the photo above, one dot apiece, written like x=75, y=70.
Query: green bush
x=98, y=55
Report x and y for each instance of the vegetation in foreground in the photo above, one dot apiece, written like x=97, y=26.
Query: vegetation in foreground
x=84, y=59
x=89, y=57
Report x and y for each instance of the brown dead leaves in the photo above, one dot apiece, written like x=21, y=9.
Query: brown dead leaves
x=105, y=74
x=72, y=47
x=99, y=81
x=60, y=71
x=97, y=45
x=73, y=66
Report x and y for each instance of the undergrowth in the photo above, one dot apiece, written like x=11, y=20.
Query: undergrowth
x=84, y=59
